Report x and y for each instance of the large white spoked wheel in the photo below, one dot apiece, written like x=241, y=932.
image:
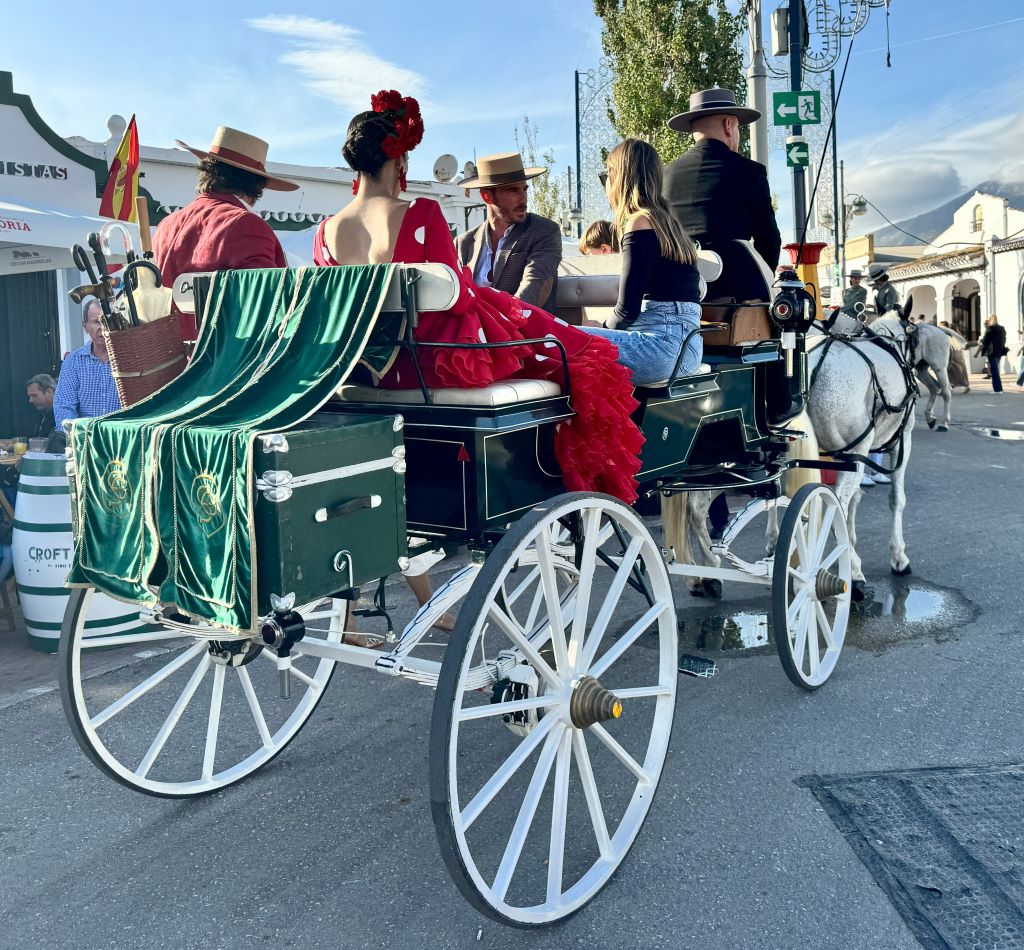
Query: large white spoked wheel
x=812, y=583
x=175, y=715
x=541, y=775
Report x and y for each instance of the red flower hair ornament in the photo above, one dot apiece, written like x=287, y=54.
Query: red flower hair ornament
x=404, y=112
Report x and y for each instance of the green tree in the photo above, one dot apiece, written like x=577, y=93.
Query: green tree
x=662, y=51
x=545, y=191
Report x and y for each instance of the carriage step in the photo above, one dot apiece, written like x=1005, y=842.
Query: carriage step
x=697, y=666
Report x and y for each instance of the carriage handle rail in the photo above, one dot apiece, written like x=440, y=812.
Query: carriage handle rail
x=701, y=328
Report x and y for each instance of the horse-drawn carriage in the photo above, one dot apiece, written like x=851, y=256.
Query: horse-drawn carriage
x=555, y=693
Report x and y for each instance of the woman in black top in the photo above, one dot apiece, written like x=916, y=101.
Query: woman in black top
x=993, y=348
x=659, y=289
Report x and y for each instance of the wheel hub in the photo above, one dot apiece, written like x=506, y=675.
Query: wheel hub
x=827, y=585
x=590, y=702
x=234, y=653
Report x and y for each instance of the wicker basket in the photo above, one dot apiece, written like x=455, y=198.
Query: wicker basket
x=145, y=358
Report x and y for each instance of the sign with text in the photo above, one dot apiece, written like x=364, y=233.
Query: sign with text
x=797, y=108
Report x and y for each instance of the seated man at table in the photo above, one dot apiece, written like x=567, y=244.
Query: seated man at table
x=40, y=390
x=85, y=386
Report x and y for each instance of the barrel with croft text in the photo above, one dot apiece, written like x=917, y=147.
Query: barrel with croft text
x=43, y=548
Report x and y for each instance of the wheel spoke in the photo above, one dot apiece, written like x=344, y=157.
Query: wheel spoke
x=304, y=678
x=610, y=602
x=559, y=809
x=642, y=692
x=511, y=629
x=825, y=625
x=621, y=754
x=837, y=552
x=213, y=723
x=628, y=639
x=813, y=648
x=532, y=576
x=538, y=600
x=505, y=771
x=799, y=639
x=551, y=599
x=800, y=537
x=469, y=713
x=796, y=605
x=173, y=717
x=822, y=539
x=524, y=820
x=147, y=684
x=590, y=792
x=588, y=564
x=254, y=706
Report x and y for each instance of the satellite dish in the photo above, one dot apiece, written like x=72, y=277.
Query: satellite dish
x=445, y=168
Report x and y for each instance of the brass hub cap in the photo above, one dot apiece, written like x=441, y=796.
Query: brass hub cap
x=590, y=702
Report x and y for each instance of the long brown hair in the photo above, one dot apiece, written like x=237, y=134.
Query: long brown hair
x=634, y=186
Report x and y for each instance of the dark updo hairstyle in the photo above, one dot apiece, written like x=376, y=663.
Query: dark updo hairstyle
x=362, y=150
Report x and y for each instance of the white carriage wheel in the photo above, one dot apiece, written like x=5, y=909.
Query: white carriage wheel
x=541, y=779
x=194, y=715
x=812, y=583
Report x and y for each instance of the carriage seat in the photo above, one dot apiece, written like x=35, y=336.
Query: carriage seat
x=505, y=392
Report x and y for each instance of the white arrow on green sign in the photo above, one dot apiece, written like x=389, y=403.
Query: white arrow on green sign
x=798, y=155
x=797, y=108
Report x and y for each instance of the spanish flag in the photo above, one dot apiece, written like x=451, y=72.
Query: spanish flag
x=123, y=182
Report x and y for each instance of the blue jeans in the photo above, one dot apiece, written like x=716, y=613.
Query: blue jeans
x=650, y=347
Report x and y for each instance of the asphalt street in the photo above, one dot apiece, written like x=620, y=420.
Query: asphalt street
x=332, y=845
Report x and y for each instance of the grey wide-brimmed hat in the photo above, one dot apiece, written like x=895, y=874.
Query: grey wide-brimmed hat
x=709, y=102
x=855, y=273
x=876, y=272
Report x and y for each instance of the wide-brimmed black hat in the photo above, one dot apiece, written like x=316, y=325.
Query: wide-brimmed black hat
x=709, y=102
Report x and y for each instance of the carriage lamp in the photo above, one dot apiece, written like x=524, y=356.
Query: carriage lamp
x=793, y=311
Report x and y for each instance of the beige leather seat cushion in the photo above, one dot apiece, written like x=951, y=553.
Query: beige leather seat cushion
x=503, y=393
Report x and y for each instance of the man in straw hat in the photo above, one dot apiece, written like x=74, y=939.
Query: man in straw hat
x=855, y=297
x=513, y=250
x=219, y=231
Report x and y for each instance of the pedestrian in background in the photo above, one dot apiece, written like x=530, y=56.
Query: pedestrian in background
x=40, y=390
x=85, y=386
x=599, y=238
x=1020, y=374
x=993, y=348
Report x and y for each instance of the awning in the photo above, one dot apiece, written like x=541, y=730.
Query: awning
x=34, y=239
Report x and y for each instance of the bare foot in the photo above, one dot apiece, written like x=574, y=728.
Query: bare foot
x=445, y=623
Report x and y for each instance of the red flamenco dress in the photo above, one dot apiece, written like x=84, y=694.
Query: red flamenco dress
x=599, y=449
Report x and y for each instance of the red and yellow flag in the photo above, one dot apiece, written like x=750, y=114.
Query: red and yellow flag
x=123, y=182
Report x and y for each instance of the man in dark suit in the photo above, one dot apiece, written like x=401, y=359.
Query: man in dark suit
x=722, y=199
x=513, y=250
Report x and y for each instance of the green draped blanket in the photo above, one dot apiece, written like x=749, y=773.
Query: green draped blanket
x=165, y=488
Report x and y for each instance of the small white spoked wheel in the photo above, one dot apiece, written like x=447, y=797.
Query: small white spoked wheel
x=543, y=771
x=812, y=583
x=175, y=715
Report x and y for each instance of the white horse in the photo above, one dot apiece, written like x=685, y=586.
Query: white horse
x=929, y=353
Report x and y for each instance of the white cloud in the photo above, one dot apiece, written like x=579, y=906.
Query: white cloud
x=336, y=62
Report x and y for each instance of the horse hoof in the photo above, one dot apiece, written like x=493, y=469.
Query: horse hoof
x=931, y=423
x=858, y=591
x=942, y=429
x=902, y=572
x=712, y=588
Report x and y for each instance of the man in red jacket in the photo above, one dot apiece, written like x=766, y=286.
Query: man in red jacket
x=219, y=231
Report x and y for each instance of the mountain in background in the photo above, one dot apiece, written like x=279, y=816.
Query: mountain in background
x=931, y=224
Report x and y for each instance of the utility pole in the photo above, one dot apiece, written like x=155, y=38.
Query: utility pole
x=579, y=156
x=836, y=197
x=796, y=52
x=842, y=191
x=757, y=74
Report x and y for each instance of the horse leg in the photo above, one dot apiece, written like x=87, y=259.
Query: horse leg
x=684, y=526
x=849, y=492
x=947, y=398
x=933, y=391
x=898, y=560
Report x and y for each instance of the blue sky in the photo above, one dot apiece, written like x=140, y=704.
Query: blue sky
x=949, y=114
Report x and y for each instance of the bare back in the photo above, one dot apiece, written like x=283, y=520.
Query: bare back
x=366, y=232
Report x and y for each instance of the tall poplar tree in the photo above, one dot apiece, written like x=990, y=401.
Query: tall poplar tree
x=661, y=51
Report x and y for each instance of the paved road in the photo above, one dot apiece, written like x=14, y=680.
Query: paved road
x=332, y=846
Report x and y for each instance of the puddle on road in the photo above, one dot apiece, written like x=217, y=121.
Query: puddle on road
x=893, y=611
x=1007, y=435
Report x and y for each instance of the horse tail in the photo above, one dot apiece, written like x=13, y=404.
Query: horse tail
x=805, y=449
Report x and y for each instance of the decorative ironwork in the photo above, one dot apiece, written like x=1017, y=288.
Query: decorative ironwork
x=595, y=137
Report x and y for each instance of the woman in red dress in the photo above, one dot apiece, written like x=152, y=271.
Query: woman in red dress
x=598, y=450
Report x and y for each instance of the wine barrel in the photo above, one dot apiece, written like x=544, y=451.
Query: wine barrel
x=43, y=548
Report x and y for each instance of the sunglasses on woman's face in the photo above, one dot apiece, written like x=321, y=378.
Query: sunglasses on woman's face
x=603, y=178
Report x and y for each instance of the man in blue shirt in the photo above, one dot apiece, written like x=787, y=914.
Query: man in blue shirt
x=85, y=387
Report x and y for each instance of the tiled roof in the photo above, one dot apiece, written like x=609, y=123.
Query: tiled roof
x=964, y=258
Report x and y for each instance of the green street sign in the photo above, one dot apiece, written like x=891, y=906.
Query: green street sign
x=798, y=154
x=797, y=108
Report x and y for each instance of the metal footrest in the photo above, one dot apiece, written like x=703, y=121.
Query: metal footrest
x=699, y=666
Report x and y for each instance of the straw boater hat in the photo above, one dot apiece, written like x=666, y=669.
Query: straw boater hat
x=503, y=169
x=242, y=151
x=710, y=102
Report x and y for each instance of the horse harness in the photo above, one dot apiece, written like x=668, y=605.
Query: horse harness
x=881, y=404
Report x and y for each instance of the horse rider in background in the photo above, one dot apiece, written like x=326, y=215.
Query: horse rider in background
x=855, y=297
x=886, y=296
